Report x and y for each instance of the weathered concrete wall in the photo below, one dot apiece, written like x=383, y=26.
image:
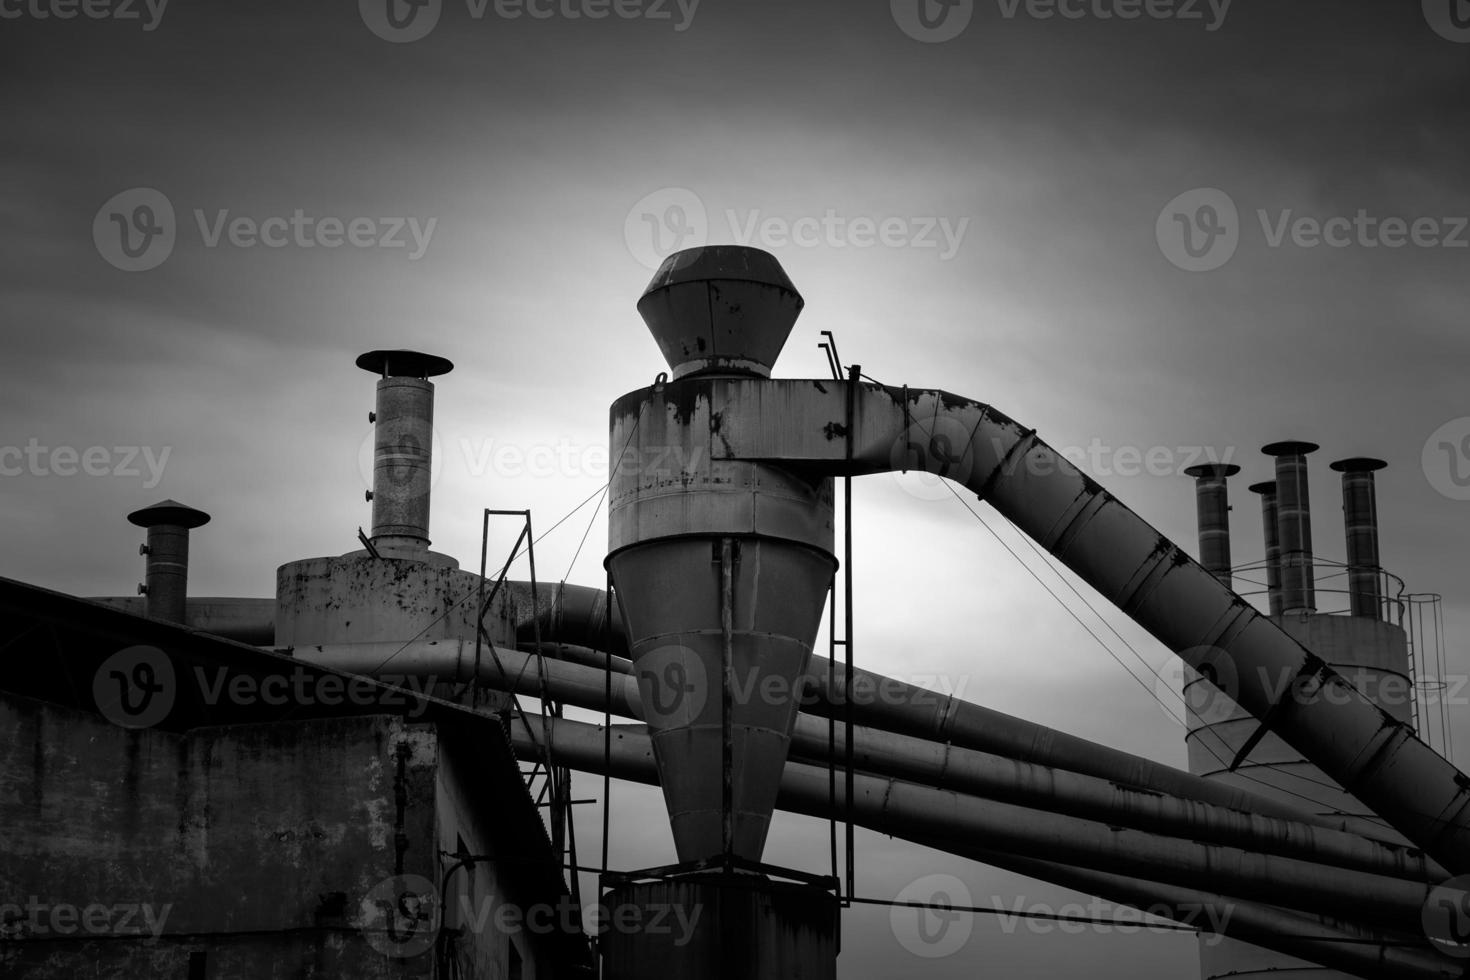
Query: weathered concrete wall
x=482, y=908
x=257, y=845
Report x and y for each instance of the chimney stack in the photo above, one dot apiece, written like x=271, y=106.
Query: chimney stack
x=1267, y=491
x=1213, y=507
x=1294, y=524
x=167, y=571
x=402, y=447
x=1360, y=518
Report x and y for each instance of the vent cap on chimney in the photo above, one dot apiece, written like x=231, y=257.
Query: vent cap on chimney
x=168, y=513
x=1290, y=447
x=1358, y=464
x=404, y=364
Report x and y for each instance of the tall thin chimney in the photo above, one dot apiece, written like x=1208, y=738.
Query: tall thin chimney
x=1360, y=518
x=1294, y=520
x=1212, y=504
x=402, y=446
x=166, y=573
x=1267, y=491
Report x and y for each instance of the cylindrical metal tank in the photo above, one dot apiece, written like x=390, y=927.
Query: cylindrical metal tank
x=356, y=598
x=166, y=577
x=725, y=926
x=722, y=567
x=1212, y=502
x=1360, y=520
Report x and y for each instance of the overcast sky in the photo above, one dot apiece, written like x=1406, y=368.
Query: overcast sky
x=514, y=179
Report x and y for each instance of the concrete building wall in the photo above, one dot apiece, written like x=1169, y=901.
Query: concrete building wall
x=247, y=851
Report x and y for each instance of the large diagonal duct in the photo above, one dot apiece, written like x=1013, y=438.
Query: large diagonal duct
x=818, y=429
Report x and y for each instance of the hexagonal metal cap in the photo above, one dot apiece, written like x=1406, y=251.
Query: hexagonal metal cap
x=720, y=309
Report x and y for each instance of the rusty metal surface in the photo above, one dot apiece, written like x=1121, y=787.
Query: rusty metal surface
x=720, y=308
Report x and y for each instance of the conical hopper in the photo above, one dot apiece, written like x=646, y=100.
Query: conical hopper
x=671, y=593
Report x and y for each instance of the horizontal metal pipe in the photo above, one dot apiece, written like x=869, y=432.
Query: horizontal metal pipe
x=915, y=760
x=1368, y=956
x=921, y=813
x=243, y=620
x=893, y=705
x=1005, y=780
